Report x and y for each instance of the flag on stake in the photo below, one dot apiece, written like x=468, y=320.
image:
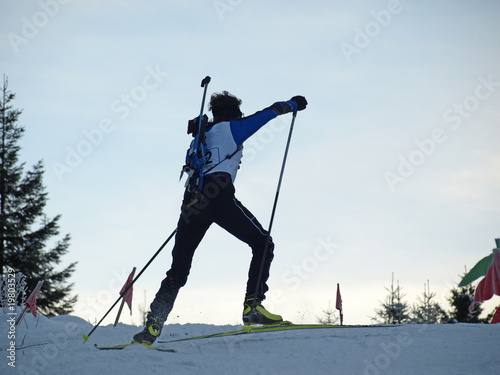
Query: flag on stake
x=126, y=296
x=338, y=303
x=31, y=302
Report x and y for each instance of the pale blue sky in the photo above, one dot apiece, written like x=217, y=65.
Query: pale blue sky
x=395, y=160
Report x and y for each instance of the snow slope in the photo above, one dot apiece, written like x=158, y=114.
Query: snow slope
x=55, y=346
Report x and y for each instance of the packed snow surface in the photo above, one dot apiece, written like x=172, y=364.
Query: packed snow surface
x=56, y=346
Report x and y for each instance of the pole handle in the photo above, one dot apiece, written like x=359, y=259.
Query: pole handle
x=205, y=81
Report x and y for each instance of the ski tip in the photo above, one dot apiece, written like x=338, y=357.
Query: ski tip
x=85, y=338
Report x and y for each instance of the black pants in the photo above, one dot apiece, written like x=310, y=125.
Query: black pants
x=220, y=206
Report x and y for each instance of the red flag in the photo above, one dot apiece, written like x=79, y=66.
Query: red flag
x=490, y=285
x=128, y=296
x=338, y=304
x=31, y=302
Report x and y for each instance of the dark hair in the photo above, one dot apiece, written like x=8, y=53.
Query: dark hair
x=225, y=106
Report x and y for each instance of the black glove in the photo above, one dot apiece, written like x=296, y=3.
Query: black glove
x=301, y=102
x=297, y=103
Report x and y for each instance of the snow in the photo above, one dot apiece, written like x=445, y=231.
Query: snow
x=55, y=346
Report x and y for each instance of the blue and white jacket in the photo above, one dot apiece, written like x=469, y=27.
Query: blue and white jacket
x=225, y=139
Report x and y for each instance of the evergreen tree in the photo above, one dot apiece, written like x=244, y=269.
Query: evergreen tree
x=25, y=231
x=428, y=311
x=329, y=316
x=394, y=310
x=460, y=300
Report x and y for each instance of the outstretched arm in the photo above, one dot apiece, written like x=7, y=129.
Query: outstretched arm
x=244, y=128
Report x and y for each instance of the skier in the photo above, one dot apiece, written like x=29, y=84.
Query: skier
x=216, y=203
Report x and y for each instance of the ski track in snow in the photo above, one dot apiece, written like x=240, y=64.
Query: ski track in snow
x=55, y=346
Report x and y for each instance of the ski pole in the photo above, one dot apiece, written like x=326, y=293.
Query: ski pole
x=274, y=210
x=86, y=337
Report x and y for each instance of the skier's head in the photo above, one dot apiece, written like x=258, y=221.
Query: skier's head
x=225, y=107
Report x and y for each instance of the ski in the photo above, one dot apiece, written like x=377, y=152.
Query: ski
x=244, y=330
x=284, y=326
x=122, y=346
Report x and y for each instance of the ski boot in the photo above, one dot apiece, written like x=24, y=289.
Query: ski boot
x=159, y=310
x=151, y=331
x=258, y=314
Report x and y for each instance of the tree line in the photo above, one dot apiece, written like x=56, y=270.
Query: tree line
x=396, y=310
